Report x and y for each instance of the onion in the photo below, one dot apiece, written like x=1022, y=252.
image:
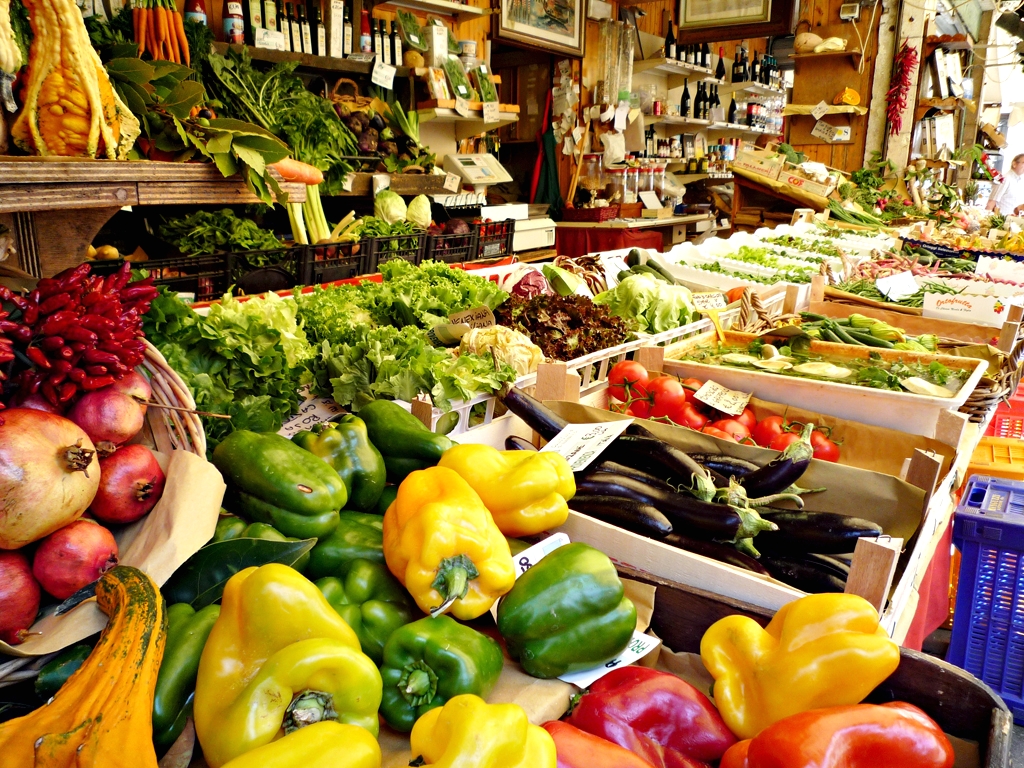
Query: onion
x=131, y=483
x=49, y=474
x=73, y=557
x=19, y=597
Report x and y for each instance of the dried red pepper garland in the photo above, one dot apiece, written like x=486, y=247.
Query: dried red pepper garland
x=896, y=99
x=74, y=332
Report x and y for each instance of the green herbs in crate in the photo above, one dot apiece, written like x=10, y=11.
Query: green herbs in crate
x=457, y=79
x=207, y=232
x=484, y=84
x=409, y=29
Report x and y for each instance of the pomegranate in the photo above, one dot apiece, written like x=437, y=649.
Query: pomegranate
x=49, y=474
x=38, y=403
x=107, y=415
x=74, y=556
x=19, y=597
x=131, y=482
x=136, y=386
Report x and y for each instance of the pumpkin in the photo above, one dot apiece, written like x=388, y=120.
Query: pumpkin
x=102, y=717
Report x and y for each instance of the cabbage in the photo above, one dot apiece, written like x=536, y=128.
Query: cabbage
x=655, y=305
x=419, y=211
x=389, y=206
x=507, y=345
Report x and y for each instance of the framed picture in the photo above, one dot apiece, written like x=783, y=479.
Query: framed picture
x=717, y=20
x=556, y=26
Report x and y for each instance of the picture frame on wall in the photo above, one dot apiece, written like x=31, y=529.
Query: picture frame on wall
x=554, y=26
x=717, y=20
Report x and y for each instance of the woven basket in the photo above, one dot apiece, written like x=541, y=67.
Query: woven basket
x=354, y=100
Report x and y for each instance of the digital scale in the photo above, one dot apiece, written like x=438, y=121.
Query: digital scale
x=481, y=170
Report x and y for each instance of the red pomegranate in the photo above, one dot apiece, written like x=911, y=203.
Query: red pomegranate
x=74, y=556
x=131, y=482
x=19, y=597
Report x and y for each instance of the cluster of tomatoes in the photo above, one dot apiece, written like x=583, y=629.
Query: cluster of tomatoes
x=666, y=398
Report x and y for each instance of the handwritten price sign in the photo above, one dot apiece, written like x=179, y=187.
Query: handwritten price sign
x=316, y=410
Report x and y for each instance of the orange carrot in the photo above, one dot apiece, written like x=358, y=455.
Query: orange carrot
x=135, y=23
x=141, y=37
x=172, y=33
x=179, y=25
x=295, y=170
x=152, y=44
x=165, y=43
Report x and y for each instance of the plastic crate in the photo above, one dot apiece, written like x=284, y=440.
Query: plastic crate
x=272, y=269
x=1008, y=420
x=494, y=238
x=206, y=277
x=998, y=457
x=988, y=622
x=406, y=247
x=452, y=249
x=328, y=262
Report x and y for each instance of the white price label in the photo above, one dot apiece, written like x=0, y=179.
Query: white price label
x=580, y=444
x=650, y=200
x=451, y=182
x=824, y=131
x=710, y=300
x=621, y=114
x=382, y=74
x=462, y=106
x=381, y=181
x=492, y=112
x=718, y=397
x=898, y=286
x=638, y=647
x=316, y=410
x=819, y=111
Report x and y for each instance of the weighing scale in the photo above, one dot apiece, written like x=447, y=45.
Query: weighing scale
x=481, y=170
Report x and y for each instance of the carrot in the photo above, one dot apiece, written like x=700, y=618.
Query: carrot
x=165, y=43
x=179, y=25
x=294, y=170
x=135, y=23
x=141, y=37
x=170, y=11
x=151, y=43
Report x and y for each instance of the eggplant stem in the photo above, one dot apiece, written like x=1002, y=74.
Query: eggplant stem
x=765, y=500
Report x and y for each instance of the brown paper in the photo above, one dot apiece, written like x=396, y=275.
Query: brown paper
x=181, y=522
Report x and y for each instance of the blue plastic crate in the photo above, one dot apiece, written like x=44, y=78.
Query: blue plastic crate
x=988, y=622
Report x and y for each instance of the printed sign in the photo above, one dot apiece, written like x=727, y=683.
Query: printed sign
x=824, y=131
x=726, y=400
x=451, y=182
x=967, y=308
x=529, y=557
x=462, y=106
x=819, y=111
x=477, y=317
x=898, y=286
x=382, y=74
x=710, y=300
x=580, y=444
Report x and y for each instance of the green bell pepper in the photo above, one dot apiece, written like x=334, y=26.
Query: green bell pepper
x=57, y=671
x=428, y=662
x=399, y=468
x=359, y=535
x=398, y=434
x=566, y=613
x=345, y=445
x=389, y=494
x=371, y=601
x=187, y=630
x=274, y=481
x=231, y=527
x=228, y=527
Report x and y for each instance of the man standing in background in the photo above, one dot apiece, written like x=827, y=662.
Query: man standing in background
x=1008, y=197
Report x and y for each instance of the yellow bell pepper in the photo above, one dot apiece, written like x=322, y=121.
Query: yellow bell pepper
x=321, y=745
x=819, y=651
x=442, y=544
x=525, y=491
x=467, y=732
x=279, y=657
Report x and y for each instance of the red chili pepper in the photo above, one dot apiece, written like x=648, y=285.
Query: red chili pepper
x=76, y=374
x=6, y=355
x=33, y=297
x=49, y=391
x=92, y=298
x=30, y=314
x=96, y=370
x=77, y=333
x=48, y=286
x=122, y=276
x=78, y=346
x=52, y=304
x=7, y=326
x=98, y=357
x=134, y=292
x=56, y=379
x=96, y=382
x=97, y=323
x=61, y=366
x=67, y=391
x=66, y=353
x=120, y=370
x=56, y=323
x=6, y=294
x=35, y=354
x=105, y=305
x=22, y=333
x=73, y=276
x=51, y=343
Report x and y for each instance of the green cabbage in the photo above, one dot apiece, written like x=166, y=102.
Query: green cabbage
x=655, y=305
x=389, y=206
x=419, y=211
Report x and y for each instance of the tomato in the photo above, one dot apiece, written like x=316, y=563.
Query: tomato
x=783, y=441
x=734, y=294
x=691, y=386
x=688, y=416
x=733, y=427
x=667, y=396
x=767, y=429
x=824, y=448
x=715, y=432
x=627, y=380
x=747, y=418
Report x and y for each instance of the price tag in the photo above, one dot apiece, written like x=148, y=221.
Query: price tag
x=364, y=57
x=621, y=113
x=477, y=317
x=638, y=647
x=824, y=131
x=492, y=112
x=452, y=182
x=726, y=400
x=711, y=300
x=315, y=410
x=381, y=181
x=414, y=38
x=346, y=185
x=898, y=286
x=819, y=111
x=580, y=444
x=462, y=106
x=382, y=74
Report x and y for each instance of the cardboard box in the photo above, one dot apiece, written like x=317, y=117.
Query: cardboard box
x=760, y=161
x=795, y=177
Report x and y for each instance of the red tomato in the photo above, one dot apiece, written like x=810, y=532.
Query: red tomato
x=783, y=441
x=824, y=448
x=767, y=429
x=627, y=380
x=747, y=418
x=715, y=432
x=667, y=395
x=691, y=386
x=688, y=416
x=733, y=427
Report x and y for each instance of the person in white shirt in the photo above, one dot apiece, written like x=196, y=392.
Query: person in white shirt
x=1008, y=197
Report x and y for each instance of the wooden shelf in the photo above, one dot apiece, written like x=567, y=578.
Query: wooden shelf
x=468, y=126
x=401, y=183
x=706, y=125
x=855, y=56
x=459, y=11
x=761, y=90
x=307, y=61
x=673, y=67
x=804, y=110
x=950, y=42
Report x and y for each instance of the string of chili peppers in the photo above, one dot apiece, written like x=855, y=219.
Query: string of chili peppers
x=903, y=65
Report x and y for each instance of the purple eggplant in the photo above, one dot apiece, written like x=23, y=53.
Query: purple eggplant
x=631, y=514
x=782, y=471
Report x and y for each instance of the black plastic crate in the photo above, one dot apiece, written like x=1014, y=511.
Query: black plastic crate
x=328, y=262
x=271, y=269
x=494, y=239
x=452, y=249
x=207, y=277
x=406, y=247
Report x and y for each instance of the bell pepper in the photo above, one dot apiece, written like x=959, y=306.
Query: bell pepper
x=346, y=446
x=403, y=440
x=857, y=736
x=467, y=731
x=387, y=497
x=278, y=657
x=568, y=612
x=442, y=544
x=321, y=745
x=187, y=632
x=56, y=672
x=431, y=661
x=371, y=601
x=230, y=527
x=579, y=749
x=358, y=536
x=819, y=651
x=656, y=715
x=525, y=491
x=274, y=481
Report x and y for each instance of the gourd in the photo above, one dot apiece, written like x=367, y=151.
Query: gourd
x=10, y=54
x=70, y=109
x=102, y=717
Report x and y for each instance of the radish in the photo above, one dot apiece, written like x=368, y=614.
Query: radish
x=19, y=597
x=74, y=556
x=107, y=415
x=131, y=483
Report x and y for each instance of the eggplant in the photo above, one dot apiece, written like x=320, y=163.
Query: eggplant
x=724, y=553
x=803, y=575
x=727, y=466
x=630, y=514
x=516, y=443
x=537, y=416
x=613, y=468
x=823, y=562
x=782, y=471
x=696, y=517
x=641, y=451
x=827, y=533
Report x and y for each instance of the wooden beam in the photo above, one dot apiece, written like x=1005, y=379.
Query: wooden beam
x=872, y=570
x=972, y=120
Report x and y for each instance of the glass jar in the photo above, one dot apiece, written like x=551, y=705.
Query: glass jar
x=615, y=185
x=591, y=174
x=645, y=181
x=632, y=185
x=658, y=179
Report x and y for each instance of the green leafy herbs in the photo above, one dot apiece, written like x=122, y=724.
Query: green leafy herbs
x=653, y=304
x=564, y=327
x=206, y=232
x=200, y=42
x=115, y=38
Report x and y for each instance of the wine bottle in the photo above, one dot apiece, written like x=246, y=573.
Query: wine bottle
x=718, y=100
x=698, y=102
x=346, y=43
x=731, y=116
x=319, y=31
x=705, y=56
x=720, y=70
x=755, y=69
x=304, y=30
x=684, y=104
x=378, y=40
x=670, y=42
x=688, y=55
x=385, y=51
x=396, y=44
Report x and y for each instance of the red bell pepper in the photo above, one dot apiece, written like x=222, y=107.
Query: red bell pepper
x=859, y=736
x=579, y=749
x=665, y=720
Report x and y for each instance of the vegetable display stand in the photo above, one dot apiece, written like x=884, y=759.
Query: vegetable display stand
x=327, y=262
x=494, y=238
x=271, y=269
x=206, y=277
x=987, y=628
x=406, y=247
x=452, y=249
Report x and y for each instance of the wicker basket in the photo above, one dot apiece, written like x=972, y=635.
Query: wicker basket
x=590, y=214
x=998, y=388
x=354, y=101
